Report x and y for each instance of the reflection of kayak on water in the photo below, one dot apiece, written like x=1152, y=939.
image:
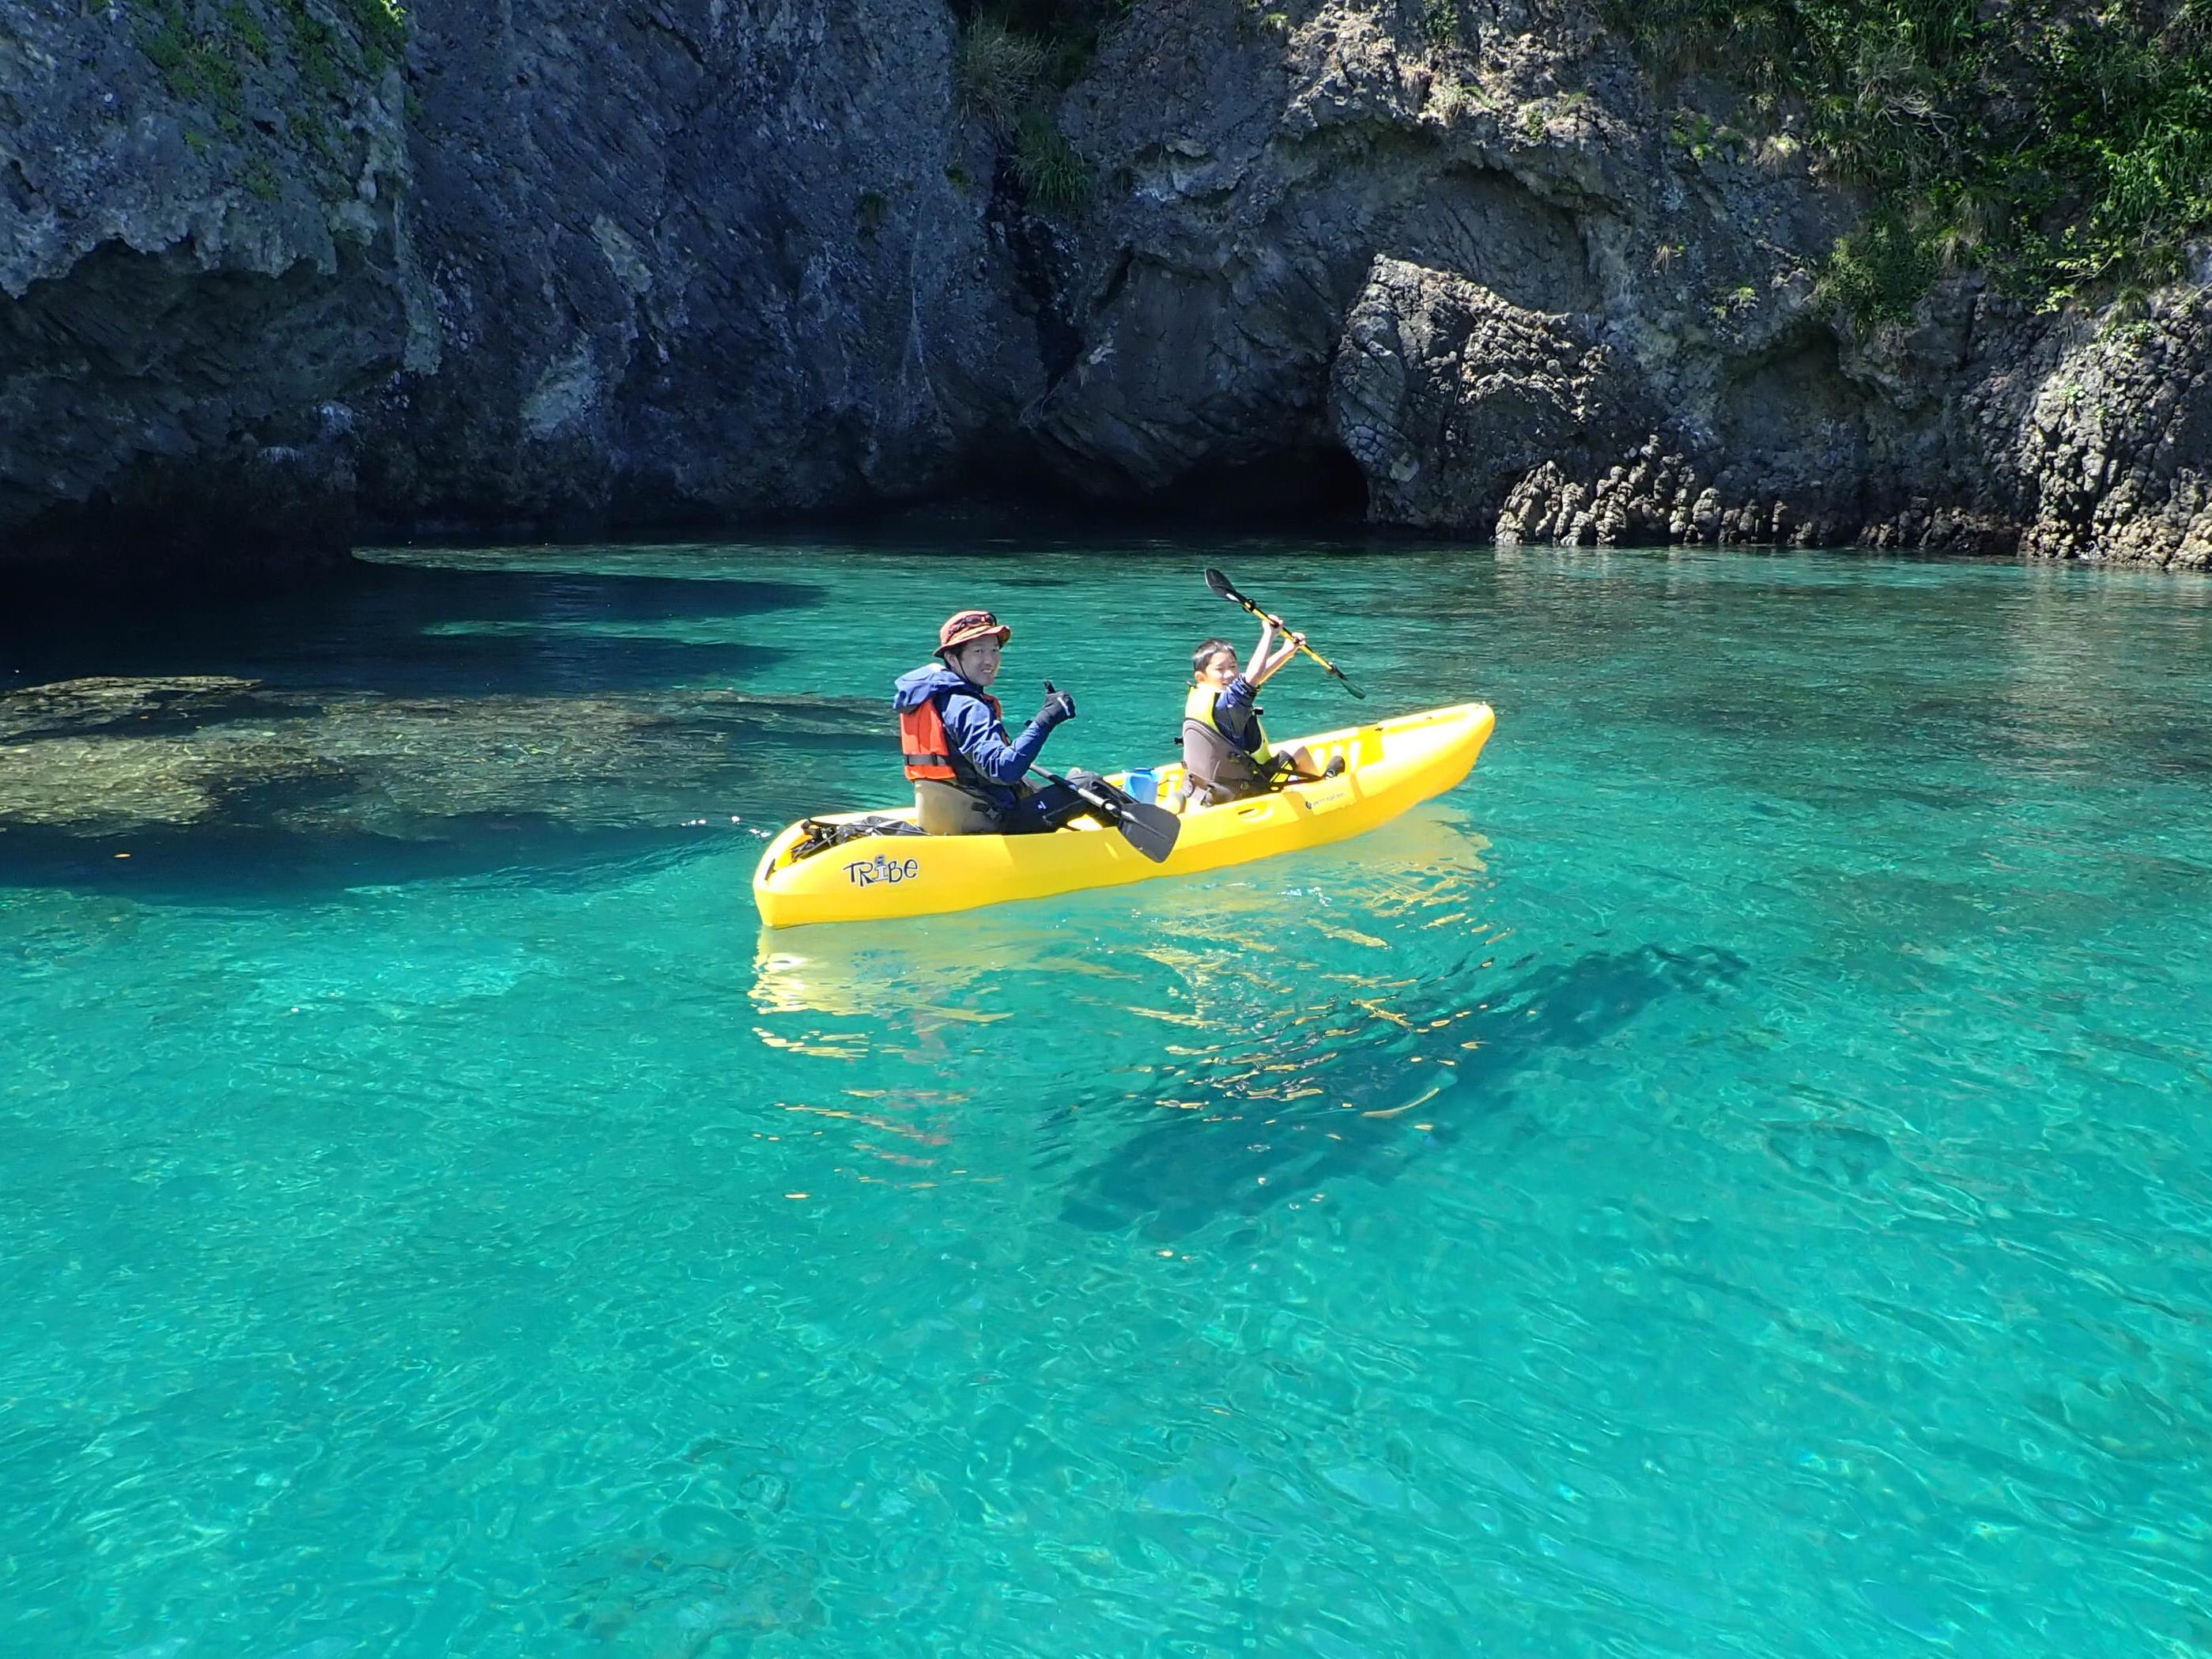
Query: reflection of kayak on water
x=1215, y=947
x=1387, y=768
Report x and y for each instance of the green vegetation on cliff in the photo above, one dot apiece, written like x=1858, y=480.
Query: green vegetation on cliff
x=237, y=61
x=2065, y=148
x=205, y=48
x=1064, y=31
x=1015, y=57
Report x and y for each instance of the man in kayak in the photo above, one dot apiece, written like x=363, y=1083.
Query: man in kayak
x=967, y=776
x=1225, y=751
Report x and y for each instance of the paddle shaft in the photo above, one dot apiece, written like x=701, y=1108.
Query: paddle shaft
x=1105, y=804
x=1228, y=592
x=1152, y=829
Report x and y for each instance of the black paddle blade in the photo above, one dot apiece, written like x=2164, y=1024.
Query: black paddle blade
x=1221, y=585
x=1151, y=829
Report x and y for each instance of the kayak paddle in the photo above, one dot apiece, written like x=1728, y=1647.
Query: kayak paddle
x=1221, y=585
x=1151, y=829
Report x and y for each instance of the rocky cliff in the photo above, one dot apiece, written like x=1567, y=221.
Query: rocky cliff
x=273, y=272
x=203, y=265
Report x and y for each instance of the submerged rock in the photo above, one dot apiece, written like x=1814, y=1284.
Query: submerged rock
x=101, y=757
x=76, y=707
x=104, y=785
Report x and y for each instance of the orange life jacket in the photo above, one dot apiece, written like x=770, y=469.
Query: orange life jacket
x=927, y=746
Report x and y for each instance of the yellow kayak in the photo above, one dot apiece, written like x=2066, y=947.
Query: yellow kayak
x=1387, y=767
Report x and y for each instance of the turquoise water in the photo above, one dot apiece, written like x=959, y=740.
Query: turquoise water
x=1736, y=1176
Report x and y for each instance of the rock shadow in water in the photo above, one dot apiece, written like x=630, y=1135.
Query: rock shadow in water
x=1378, y=1103
x=423, y=632
x=244, y=867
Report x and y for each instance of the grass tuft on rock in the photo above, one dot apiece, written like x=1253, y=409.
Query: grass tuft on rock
x=1014, y=59
x=997, y=73
x=1053, y=174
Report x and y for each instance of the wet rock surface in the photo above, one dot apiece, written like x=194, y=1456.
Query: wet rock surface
x=632, y=263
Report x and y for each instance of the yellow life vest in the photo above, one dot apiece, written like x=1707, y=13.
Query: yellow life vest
x=1199, y=705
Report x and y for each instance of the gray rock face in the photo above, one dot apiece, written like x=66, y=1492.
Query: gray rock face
x=1576, y=320
x=695, y=258
x=201, y=257
x=1448, y=396
x=610, y=263
x=2112, y=443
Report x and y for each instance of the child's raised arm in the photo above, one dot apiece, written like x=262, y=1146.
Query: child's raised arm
x=1258, y=659
x=1264, y=665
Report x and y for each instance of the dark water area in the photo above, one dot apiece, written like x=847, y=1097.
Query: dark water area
x=1732, y=1176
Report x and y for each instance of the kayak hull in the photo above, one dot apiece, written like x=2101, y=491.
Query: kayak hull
x=1389, y=766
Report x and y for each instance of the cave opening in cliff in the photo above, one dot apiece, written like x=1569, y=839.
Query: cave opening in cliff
x=1302, y=486
x=1306, y=485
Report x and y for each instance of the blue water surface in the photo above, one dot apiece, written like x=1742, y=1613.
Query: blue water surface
x=1732, y=1177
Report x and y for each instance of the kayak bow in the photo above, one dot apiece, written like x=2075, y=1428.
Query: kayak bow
x=1388, y=767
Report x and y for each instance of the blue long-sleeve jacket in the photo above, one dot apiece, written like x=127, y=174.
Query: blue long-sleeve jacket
x=975, y=731
x=1234, y=717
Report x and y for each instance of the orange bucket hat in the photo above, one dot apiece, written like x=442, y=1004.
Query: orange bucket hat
x=967, y=625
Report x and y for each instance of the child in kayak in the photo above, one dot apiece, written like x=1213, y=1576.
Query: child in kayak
x=967, y=776
x=1226, y=754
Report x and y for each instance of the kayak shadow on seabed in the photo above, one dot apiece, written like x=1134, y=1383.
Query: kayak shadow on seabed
x=1294, y=1111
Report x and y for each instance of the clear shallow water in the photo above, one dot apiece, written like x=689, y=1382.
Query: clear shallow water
x=1734, y=1177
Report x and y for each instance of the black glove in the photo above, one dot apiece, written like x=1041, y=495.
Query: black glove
x=1057, y=708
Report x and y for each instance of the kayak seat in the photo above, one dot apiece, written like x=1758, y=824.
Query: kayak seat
x=945, y=808
x=1217, y=769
